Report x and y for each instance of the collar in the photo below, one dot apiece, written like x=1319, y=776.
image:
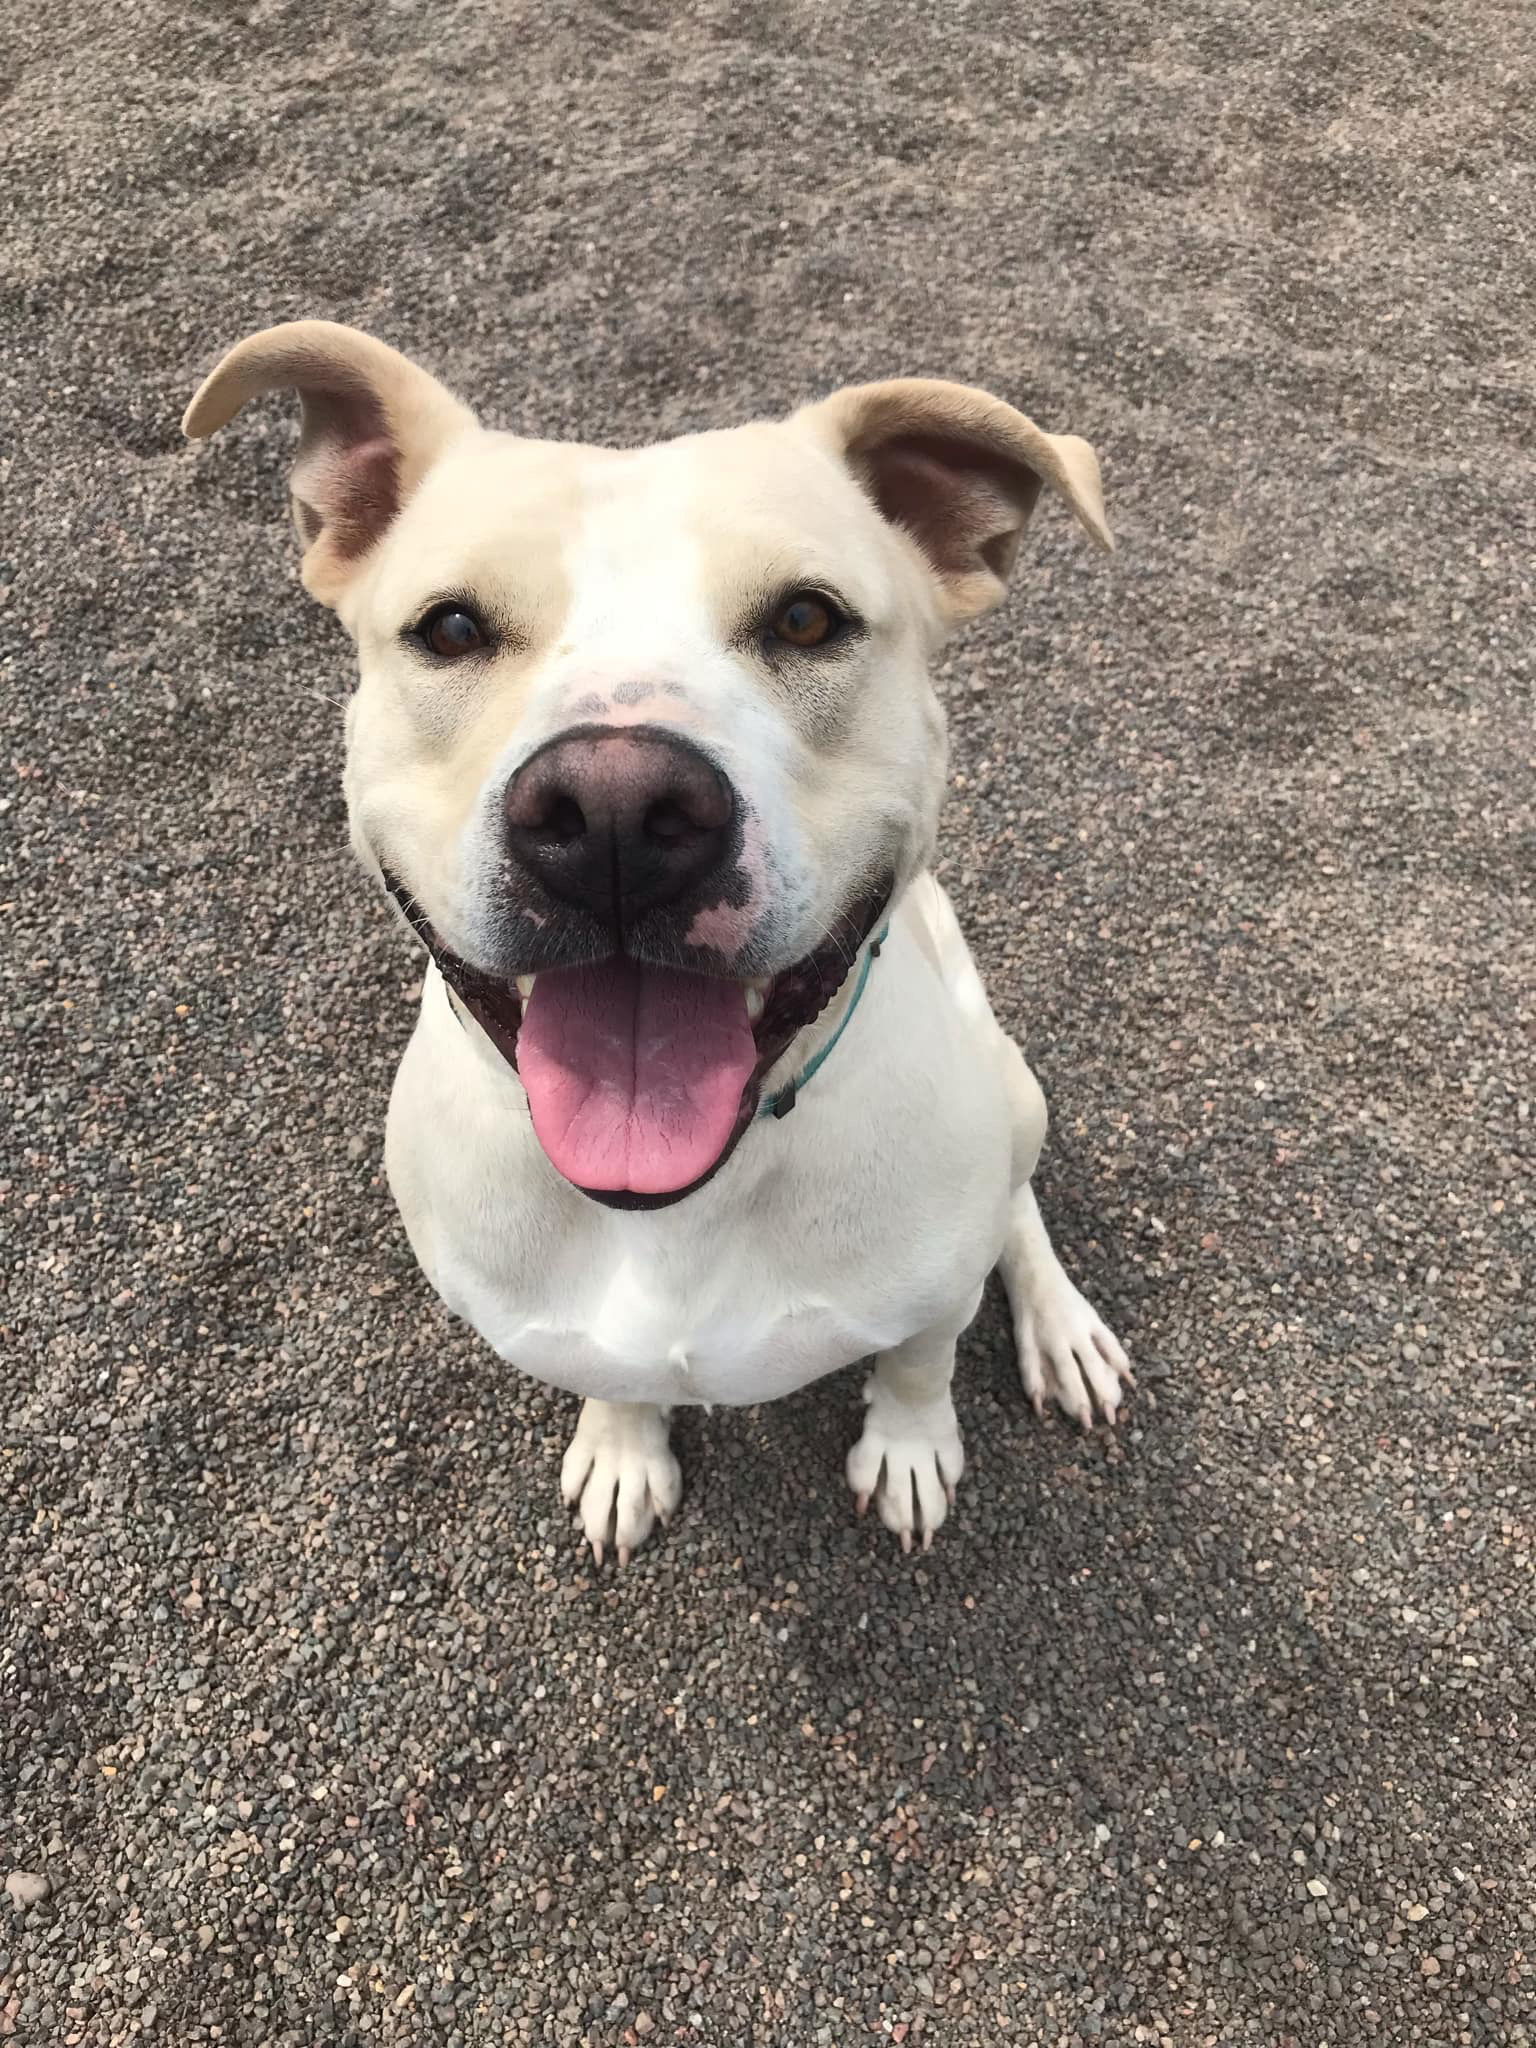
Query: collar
x=783, y=1100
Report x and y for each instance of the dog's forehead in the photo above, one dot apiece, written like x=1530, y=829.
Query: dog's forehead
x=757, y=502
x=765, y=474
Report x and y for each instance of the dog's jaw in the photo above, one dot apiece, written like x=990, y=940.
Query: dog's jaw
x=791, y=1003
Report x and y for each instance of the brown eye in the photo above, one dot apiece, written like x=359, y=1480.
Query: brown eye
x=451, y=632
x=806, y=621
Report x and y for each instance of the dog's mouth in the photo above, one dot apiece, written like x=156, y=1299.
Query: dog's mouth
x=642, y=1077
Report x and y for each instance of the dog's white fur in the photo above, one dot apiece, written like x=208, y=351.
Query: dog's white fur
x=865, y=1224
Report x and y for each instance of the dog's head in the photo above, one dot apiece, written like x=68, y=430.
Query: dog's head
x=643, y=742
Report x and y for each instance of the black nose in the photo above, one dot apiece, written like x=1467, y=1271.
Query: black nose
x=618, y=819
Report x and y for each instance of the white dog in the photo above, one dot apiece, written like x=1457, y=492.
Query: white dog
x=705, y=1099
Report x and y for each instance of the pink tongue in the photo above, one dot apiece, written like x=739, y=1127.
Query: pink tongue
x=634, y=1074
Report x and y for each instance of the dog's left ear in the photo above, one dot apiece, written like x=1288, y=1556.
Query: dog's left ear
x=960, y=471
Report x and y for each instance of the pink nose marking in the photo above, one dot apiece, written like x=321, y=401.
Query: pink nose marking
x=633, y=704
x=728, y=926
x=648, y=711
x=721, y=926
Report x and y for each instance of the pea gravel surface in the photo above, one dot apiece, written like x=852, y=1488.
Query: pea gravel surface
x=317, y=1727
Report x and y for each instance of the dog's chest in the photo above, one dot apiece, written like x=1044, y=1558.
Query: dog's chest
x=871, y=1215
x=623, y=1328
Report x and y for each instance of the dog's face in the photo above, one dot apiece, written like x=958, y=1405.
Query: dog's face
x=643, y=742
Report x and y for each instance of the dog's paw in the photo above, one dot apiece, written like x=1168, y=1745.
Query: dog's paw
x=1067, y=1355
x=908, y=1461
x=620, y=1475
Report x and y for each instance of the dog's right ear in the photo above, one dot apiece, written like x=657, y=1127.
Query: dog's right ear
x=373, y=425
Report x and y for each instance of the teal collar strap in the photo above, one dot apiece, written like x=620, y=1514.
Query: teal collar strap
x=784, y=1099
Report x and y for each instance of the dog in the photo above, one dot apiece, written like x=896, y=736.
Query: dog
x=705, y=1099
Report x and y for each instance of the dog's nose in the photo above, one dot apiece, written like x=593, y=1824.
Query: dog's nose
x=618, y=820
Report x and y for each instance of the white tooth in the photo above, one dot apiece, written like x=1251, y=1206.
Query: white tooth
x=525, y=985
x=754, y=999
x=761, y=982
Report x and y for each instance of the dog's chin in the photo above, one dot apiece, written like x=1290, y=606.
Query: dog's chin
x=643, y=1077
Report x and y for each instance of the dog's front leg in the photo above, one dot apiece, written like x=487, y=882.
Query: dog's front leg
x=1066, y=1354
x=620, y=1475
x=910, y=1458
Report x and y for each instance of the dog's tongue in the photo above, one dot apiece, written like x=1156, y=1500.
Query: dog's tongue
x=634, y=1073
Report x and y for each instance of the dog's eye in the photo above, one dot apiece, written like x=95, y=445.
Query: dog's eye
x=806, y=620
x=450, y=632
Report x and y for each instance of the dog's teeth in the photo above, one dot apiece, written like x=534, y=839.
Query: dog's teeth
x=525, y=985
x=754, y=1000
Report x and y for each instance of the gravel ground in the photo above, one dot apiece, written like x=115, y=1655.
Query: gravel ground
x=318, y=1729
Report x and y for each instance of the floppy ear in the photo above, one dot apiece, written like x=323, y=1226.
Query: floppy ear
x=960, y=471
x=373, y=425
